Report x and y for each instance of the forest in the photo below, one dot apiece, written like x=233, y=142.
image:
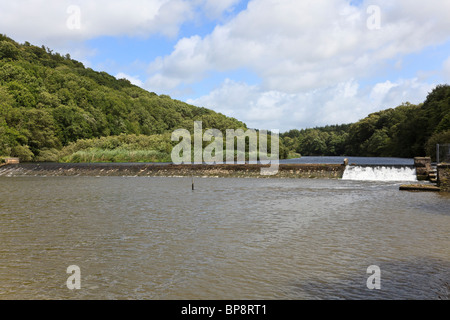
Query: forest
x=53, y=108
x=406, y=131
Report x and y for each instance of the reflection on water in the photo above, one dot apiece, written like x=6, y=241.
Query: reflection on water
x=354, y=160
x=155, y=238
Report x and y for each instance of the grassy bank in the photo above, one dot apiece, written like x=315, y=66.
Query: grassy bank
x=121, y=148
x=116, y=155
x=128, y=148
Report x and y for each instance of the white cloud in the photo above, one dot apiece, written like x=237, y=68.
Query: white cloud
x=134, y=80
x=446, y=70
x=380, y=90
x=56, y=21
x=311, y=57
x=344, y=102
x=405, y=90
x=184, y=65
x=302, y=45
x=215, y=8
x=37, y=20
x=65, y=25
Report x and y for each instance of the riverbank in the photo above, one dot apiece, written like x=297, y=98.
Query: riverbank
x=324, y=171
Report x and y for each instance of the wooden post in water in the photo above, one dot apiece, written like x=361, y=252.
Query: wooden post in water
x=192, y=182
x=437, y=153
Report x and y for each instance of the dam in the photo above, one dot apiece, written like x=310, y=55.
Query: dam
x=325, y=171
x=303, y=170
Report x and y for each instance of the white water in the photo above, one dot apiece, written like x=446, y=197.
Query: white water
x=379, y=173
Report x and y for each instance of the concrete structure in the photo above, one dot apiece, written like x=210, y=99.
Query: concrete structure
x=11, y=160
x=419, y=187
x=423, y=167
x=330, y=171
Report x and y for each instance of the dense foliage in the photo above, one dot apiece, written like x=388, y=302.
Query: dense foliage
x=405, y=131
x=53, y=108
x=48, y=101
x=329, y=140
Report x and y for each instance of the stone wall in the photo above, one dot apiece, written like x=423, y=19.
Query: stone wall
x=423, y=167
x=444, y=177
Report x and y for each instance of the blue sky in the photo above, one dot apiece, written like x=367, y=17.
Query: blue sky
x=274, y=64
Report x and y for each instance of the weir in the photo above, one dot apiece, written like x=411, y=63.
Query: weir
x=330, y=171
x=380, y=173
x=327, y=171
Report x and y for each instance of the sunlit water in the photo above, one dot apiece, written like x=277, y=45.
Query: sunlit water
x=155, y=238
x=380, y=173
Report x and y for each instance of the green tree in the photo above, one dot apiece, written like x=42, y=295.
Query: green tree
x=8, y=50
x=314, y=143
x=442, y=137
x=22, y=152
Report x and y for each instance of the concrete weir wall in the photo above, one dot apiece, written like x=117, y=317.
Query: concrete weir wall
x=328, y=171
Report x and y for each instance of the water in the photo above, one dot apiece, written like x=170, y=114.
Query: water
x=380, y=173
x=354, y=161
x=367, y=168
x=155, y=238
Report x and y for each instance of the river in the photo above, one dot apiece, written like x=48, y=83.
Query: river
x=230, y=238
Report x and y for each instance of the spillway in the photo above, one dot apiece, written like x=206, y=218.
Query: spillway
x=380, y=173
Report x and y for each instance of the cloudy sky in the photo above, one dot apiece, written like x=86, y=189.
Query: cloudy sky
x=274, y=64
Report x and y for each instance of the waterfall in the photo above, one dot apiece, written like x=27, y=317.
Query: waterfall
x=380, y=173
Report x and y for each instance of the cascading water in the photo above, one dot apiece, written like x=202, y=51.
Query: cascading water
x=380, y=173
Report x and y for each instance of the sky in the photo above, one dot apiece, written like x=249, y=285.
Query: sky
x=273, y=64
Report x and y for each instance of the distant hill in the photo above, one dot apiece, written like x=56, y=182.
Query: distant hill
x=404, y=131
x=53, y=108
x=49, y=101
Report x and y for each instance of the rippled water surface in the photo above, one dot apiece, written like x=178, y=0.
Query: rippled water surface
x=155, y=238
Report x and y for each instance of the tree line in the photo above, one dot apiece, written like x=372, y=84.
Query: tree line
x=405, y=131
x=49, y=101
x=53, y=108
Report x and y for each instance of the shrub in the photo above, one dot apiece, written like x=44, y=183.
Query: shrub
x=48, y=155
x=23, y=153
